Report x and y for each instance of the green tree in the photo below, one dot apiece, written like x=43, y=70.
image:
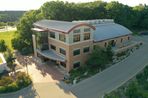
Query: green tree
x=133, y=91
x=100, y=57
x=10, y=60
x=3, y=46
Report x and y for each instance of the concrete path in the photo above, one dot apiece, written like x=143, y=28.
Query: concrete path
x=115, y=76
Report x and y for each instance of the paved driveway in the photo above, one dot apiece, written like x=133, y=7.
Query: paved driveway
x=114, y=76
x=41, y=73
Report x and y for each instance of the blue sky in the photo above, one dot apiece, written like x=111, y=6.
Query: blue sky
x=35, y=4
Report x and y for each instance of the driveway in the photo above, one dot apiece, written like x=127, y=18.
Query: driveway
x=41, y=73
x=115, y=76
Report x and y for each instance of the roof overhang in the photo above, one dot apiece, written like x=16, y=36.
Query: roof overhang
x=51, y=55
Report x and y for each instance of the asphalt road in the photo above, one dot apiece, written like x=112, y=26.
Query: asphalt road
x=115, y=76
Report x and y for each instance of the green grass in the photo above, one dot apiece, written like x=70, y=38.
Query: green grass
x=1, y=61
x=7, y=36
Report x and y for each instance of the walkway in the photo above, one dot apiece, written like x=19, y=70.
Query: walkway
x=115, y=76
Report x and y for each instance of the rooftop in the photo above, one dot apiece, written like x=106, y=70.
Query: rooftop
x=62, y=26
x=109, y=30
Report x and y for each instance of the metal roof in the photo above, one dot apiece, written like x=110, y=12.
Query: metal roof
x=51, y=55
x=62, y=26
x=109, y=30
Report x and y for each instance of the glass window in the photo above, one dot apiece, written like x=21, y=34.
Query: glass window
x=62, y=51
x=63, y=64
x=86, y=36
x=105, y=45
x=76, y=65
x=76, y=52
x=53, y=47
x=62, y=37
x=76, y=31
x=86, y=49
x=76, y=38
x=121, y=40
x=86, y=29
x=52, y=34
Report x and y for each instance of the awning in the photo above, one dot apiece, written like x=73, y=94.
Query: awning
x=51, y=55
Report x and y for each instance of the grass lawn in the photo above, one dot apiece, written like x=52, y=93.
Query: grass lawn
x=7, y=36
x=1, y=61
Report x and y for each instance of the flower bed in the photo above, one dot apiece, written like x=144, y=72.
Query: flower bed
x=14, y=83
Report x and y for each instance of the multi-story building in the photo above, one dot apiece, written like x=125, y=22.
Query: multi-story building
x=70, y=43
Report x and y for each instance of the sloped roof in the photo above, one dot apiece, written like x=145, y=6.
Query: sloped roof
x=62, y=26
x=108, y=31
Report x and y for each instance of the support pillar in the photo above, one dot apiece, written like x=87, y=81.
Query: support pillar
x=34, y=45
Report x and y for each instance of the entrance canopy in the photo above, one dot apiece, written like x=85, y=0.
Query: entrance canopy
x=51, y=55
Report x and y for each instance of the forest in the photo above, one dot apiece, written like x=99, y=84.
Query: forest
x=10, y=16
x=134, y=18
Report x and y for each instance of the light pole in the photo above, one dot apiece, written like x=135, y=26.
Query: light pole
x=26, y=64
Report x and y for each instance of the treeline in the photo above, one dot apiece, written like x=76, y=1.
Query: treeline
x=10, y=16
x=131, y=17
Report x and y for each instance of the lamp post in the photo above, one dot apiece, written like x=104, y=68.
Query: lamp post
x=26, y=64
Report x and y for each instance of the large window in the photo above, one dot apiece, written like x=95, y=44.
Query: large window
x=76, y=52
x=86, y=36
x=76, y=64
x=86, y=29
x=62, y=51
x=53, y=47
x=52, y=34
x=76, y=38
x=86, y=49
x=62, y=37
x=76, y=31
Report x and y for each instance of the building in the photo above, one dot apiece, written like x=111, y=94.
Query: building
x=70, y=43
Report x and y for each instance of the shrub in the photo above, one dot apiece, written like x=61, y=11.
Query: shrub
x=10, y=85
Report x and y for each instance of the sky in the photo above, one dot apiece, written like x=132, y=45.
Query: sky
x=35, y=4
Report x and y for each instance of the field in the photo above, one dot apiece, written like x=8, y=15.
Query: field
x=7, y=36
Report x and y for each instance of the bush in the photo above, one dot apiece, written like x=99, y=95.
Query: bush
x=5, y=81
x=8, y=84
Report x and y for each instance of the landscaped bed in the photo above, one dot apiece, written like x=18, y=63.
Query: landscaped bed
x=14, y=82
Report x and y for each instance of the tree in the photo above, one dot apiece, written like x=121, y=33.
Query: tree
x=3, y=46
x=10, y=60
x=23, y=41
x=133, y=91
x=100, y=57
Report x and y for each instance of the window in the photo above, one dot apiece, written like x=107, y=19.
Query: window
x=86, y=36
x=76, y=52
x=87, y=30
x=76, y=38
x=121, y=40
x=62, y=37
x=76, y=65
x=76, y=31
x=52, y=34
x=86, y=49
x=105, y=45
x=53, y=47
x=62, y=51
x=128, y=38
x=63, y=64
